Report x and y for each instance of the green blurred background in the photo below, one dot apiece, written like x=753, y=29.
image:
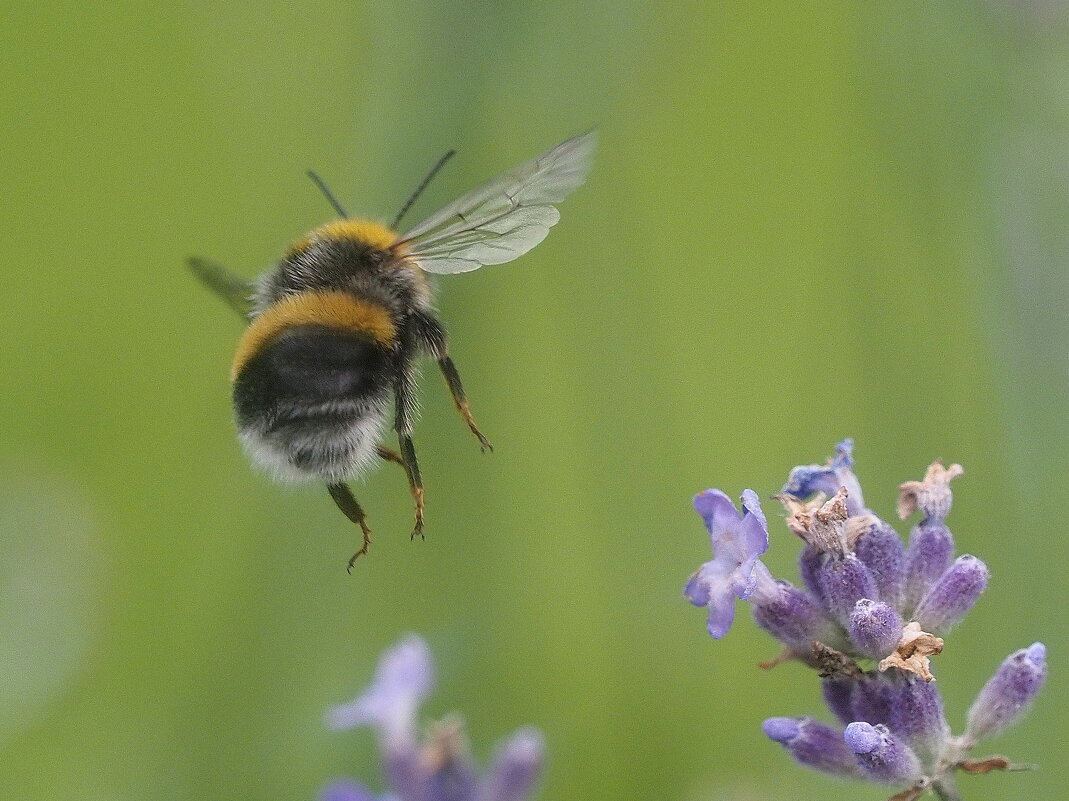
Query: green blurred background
x=804, y=222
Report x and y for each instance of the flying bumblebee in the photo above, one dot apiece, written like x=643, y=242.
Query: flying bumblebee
x=335, y=326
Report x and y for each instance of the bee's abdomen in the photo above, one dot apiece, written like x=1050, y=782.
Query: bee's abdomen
x=339, y=311
x=311, y=402
x=311, y=366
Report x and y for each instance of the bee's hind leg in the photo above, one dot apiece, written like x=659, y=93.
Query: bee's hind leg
x=346, y=501
x=405, y=399
x=389, y=455
x=415, y=482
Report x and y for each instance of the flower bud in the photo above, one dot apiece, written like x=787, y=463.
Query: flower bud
x=953, y=595
x=881, y=756
x=813, y=744
x=792, y=617
x=871, y=699
x=838, y=692
x=516, y=768
x=930, y=552
x=844, y=582
x=810, y=564
x=916, y=714
x=875, y=628
x=1007, y=694
x=880, y=550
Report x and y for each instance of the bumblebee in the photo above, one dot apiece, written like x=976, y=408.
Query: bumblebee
x=336, y=325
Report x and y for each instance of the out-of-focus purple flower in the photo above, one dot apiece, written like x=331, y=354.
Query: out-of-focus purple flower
x=1008, y=694
x=881, y=756
x=738, y=540
x=403, y=680
x=809, y=565
x=813, y=744
x=516, y=767
x=436, y=766
x=838, y=692
x=953, y=595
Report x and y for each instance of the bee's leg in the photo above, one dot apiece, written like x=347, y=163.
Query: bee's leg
x=405, y=396
x=431, y=335
x=347, y=502
x=456, y=389
x=389, y=455
x=415, y=482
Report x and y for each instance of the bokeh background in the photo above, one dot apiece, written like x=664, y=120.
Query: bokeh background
x=805, y=222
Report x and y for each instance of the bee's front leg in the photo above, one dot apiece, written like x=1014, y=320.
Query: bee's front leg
x=405, y=397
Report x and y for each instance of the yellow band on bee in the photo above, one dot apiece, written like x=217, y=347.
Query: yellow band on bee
x=337, y=310
x=364, y=231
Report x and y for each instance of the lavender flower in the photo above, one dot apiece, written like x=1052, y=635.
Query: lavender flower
x=881, y=756
x=1009, y=693
x=867, y=621
x=813, y=744
x=733, y=572
x=437, y=766
x=952, y=595
x=811, y=479
x=875, y=628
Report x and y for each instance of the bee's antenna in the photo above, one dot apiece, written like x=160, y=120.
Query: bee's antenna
x=327, y=193
x=423, y=185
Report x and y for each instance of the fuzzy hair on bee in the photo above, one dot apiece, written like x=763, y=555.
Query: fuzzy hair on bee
x=336, y=326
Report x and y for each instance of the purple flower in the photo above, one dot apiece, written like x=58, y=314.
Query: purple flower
x=880, y=550
x=733, y=572
x=436, y=766
x=916, y=714
x=1009, y=693
x=869, y=620
x=875, y=628
x=930, y=553
x=516, y=767
x=809, y=479
x=882, y=756
x=403, y=680
x=844, y=582
x=813, y=744
x=792, y=617
x=871, y=699
x=952, y=595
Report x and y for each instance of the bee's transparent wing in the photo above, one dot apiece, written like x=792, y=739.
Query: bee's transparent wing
x=237, y=292
x=504, y=218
